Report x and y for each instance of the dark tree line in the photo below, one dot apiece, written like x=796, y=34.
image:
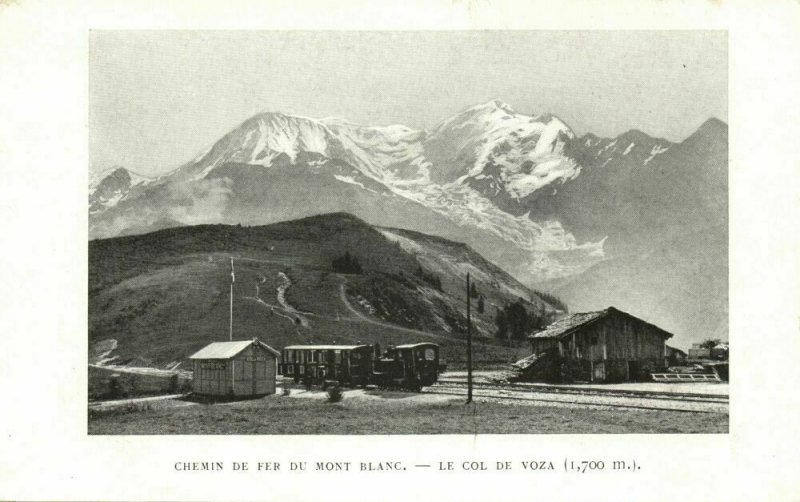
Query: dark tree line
x=552, y=300
x=473, y=293
x=347, y=264
x=429, y=277
x=514, y=322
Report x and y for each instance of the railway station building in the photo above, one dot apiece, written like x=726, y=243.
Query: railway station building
x=604, y=346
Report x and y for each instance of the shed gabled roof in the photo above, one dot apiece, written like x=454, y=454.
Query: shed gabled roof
x=571, y=323
x=227, y=350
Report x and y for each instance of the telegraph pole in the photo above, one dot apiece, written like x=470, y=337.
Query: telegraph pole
x=230, y=325
x=469, y=347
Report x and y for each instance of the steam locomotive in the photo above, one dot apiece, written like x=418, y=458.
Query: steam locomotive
x=410, y=366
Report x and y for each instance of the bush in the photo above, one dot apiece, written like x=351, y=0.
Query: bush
x=335, y=394
x=286, y=391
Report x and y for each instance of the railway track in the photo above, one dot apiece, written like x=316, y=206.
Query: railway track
x=681, y=402
x=565, y=389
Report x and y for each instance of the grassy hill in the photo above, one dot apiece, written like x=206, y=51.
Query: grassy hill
x=165, y=294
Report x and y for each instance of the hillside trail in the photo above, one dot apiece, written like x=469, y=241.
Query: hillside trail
x=361, y=317
x=294, y=315
x=285, y=283
x=276, y=309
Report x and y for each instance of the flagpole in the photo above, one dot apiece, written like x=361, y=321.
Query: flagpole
x=230, y=324
x=469, y=347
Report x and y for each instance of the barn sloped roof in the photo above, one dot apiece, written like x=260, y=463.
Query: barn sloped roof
x=226, y=350
x=567, y=325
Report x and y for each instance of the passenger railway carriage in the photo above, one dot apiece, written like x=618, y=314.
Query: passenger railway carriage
x=409, y=366
x=348, y=364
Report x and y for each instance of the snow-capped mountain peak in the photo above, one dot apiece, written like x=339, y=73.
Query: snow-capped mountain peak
x=112, y=186
x=497, y=150
x=267, y=137
x=490, y=106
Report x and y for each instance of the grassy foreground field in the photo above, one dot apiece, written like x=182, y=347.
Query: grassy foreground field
x=391, y=413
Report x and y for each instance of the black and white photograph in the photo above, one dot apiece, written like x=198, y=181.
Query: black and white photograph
x=408, y=233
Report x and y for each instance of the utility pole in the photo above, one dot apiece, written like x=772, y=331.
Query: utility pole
x=230, y=326
x=469, y=347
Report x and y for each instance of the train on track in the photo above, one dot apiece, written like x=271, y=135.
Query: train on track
x=409, y=366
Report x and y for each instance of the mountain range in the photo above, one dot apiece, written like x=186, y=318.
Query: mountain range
x=633, y=221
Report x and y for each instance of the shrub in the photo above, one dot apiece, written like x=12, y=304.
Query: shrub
x=335, y=394
x=286, y=391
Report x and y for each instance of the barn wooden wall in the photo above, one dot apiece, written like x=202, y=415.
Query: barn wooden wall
x=601, y=351
x=613, y=337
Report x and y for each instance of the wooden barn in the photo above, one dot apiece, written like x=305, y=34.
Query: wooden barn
x=604, y=346
x=239, y=368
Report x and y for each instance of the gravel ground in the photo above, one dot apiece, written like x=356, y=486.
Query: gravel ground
x=721, y=389
x=523, y=398
x=590, y=401
x=391, y=412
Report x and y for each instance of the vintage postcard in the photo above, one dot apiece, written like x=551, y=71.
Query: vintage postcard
x=484, y=252
x=372, y=241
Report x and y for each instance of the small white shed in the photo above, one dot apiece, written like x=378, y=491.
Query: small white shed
x=239, y=368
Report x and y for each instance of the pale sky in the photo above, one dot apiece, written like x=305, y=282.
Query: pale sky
x=158, y=98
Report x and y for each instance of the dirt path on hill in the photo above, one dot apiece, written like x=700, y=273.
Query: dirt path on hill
x=291, y=313
x=361, y=317
x=287, y=311
x=285, y=283
x=276, y=309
